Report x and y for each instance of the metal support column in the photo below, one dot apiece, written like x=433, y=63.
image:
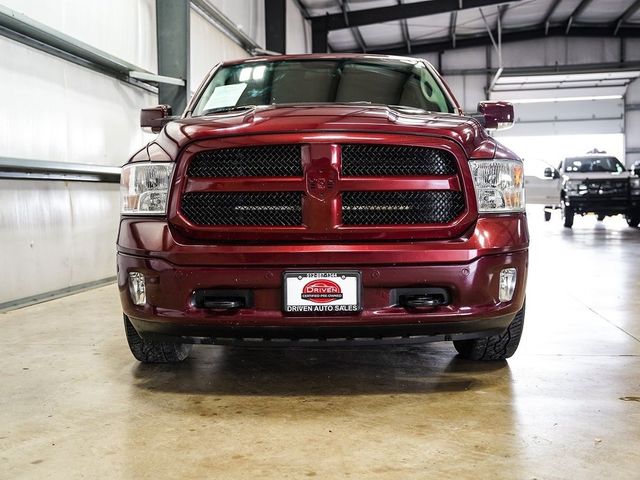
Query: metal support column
x=172, y=26
x=276, y=25
x=319, y=34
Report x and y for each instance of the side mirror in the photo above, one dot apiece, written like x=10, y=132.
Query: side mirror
x=551, y=173
x=497, y=115
x=155, y=117
x=635, y=168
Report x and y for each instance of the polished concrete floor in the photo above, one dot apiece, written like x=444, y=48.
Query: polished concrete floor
x=75, y=404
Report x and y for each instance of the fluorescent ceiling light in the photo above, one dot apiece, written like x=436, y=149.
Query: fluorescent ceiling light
x=565, y=99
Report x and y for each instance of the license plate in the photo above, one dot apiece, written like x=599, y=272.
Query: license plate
x=328, y=292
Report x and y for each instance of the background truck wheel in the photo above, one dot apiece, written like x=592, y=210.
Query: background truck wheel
x=547, y=215
x=495, y=347
x=601, y=217
x=633, y=220
x=150, y=351
x=568, y=217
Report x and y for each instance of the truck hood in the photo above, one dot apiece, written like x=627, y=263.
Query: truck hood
x=466, y=131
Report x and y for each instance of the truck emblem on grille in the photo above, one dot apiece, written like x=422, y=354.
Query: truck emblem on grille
x=321, y=183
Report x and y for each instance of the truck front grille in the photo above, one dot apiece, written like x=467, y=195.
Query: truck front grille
x=282, y=209
x=263, y=161
x=391, y=160
x=401, y=208
x=605, y=187
x=319, y=189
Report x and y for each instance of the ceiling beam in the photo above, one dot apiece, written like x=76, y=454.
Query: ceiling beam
x=502, y=10
x=358, y=18
x=509, y=36
x=582, y=6
x=355, y=31
x=405, y=30
x=628, y=13
x=552, y=9
x=303, y=8
x=452, y=28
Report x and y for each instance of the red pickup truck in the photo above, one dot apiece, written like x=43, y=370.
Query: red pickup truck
x=323, y=200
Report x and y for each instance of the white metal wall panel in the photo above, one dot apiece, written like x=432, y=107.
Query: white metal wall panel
x=54, y=110
x=561, y=51
x=464, y=58
x=298, y=30
x=468, y=89
x=123, y=28
x=209, y=46
x=632, y=123
x=248, y=15
x=55, y=235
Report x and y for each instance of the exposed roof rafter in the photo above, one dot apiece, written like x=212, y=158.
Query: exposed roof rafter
x=303, y=8
x=355, y=31
x=405, y=30
x=629, y=12
x=582, y=6
x=358, y=18
x=547, y=18
x=508, y=36
x=452, y=28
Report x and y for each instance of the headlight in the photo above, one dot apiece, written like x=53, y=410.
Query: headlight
x=573, y=186
x=570, y=186
x=144, y=188
x=635, y=183
x=499, y=185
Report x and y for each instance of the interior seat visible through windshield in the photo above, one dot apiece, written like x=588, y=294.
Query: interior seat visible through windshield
x=373, y=81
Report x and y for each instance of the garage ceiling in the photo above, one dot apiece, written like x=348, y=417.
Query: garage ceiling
x=418, y=26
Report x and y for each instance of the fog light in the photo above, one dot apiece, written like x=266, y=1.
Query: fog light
x=507, y=284
x=137, y=288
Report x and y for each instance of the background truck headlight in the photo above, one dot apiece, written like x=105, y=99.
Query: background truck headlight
x=144, y=188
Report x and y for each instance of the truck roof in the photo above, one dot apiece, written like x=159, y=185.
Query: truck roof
x=324, y=56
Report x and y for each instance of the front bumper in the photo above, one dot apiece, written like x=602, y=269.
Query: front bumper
x=468, y=267
x=604, y=204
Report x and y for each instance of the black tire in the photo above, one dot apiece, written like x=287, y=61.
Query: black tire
x=633, y=220
x=495, y=347
x=150, y=351
x=547, y=215
x=601, y=217
x=568, y=217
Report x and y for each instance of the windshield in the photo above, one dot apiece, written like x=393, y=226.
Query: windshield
x=382, y=82
x=593, y=164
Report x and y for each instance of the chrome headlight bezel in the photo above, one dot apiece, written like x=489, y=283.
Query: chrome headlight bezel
x=499, y=185
x=144, y=188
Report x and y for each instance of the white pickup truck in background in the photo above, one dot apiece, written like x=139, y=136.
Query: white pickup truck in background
x=593, y=183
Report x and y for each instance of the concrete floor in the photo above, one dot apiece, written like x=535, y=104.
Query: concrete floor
x=75, y=404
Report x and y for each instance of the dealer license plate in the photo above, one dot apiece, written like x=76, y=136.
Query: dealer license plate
x=330, y=292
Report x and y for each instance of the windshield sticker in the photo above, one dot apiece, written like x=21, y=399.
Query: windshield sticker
x=225, y=96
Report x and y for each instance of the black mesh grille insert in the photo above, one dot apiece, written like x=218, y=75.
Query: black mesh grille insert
x=243, y=208
x=267, y=161
x=391, y=160
x=401, y=208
